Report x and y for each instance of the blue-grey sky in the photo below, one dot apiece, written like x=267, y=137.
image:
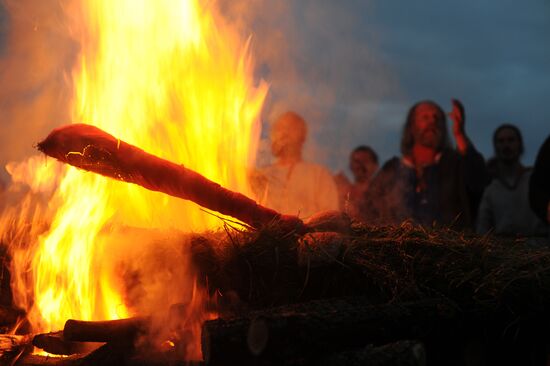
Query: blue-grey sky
x=351, y=67
x=493, y=55
x=366, y=62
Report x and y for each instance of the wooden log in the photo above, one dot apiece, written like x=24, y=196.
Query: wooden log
x=330, y=325
x=105, y=331
x=89, y=148
x=56, y=344
x=109, y=354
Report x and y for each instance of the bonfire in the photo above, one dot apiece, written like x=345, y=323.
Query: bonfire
x=140, y=242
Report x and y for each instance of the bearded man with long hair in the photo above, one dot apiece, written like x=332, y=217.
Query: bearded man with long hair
x=431, y=183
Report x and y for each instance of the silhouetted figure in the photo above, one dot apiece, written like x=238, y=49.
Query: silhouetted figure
x=539, y=186
x=292, y=185
x=504, y=207
x=363, y=163
x=431, y=183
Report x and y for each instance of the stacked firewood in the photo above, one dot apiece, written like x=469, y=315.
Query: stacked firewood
x=327, y=332
x=347, y=294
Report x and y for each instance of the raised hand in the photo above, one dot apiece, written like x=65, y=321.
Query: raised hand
x=458, y=116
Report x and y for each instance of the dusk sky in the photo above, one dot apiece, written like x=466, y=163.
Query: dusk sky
x=353, y=68
x=380, y=57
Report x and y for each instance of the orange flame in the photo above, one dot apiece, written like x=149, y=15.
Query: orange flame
x=173, y=78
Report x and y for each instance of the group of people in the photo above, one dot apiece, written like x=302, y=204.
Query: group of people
x=431, y=183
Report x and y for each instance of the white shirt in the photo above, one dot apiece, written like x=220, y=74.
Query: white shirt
x=506, y=210
x=301, y=189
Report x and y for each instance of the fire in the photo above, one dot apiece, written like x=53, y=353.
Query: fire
x=169, y=76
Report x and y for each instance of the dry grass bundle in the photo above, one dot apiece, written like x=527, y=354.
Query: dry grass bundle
x=387, y=264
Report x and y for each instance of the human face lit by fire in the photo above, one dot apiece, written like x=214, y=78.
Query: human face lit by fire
x=362, y=165
x=287, y=138
x=428, y=125
x=507, y=145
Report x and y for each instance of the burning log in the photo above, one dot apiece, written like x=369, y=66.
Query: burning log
x=89, y=148
x=55, y=343
x=329, y=325
x=12, y=346
x=125, y=330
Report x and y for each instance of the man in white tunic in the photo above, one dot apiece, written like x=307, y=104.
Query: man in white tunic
x=292, y=185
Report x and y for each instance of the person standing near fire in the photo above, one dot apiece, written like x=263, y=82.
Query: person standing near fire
x=363, y=164
x=291, y=185
x=504, y=208
x=431, y=183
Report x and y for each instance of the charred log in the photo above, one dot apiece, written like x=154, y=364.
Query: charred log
x=89, y=148
x=329, y=325
x=55, y=343
x=122, y=330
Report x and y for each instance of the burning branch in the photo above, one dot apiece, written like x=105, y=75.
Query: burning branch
x=89, y=148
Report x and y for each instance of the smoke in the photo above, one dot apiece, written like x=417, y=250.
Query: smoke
x=321, y=63
x=36, y=55
x=159, y=281
x=35, y=62
x=318, y=57
x=155, y=274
